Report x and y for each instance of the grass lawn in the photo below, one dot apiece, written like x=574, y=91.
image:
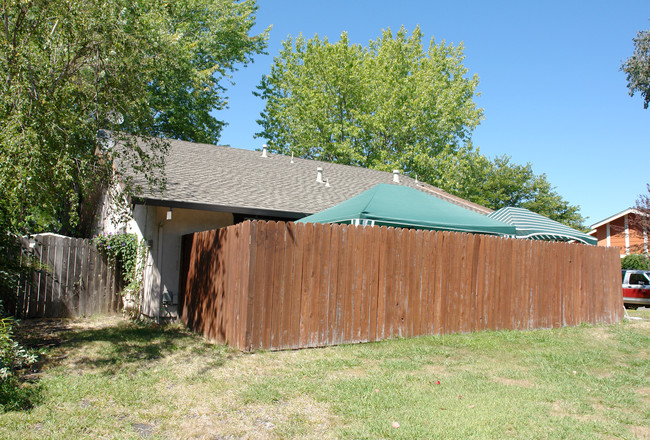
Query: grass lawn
x=106, y=378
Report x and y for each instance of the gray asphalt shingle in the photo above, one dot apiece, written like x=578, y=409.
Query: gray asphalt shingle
x=217, y=175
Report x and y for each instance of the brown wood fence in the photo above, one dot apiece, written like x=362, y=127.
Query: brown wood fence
x=75, y=280
x=259, y=285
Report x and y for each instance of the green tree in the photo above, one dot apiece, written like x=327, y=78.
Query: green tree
x=69, y=68
x=394, y=105
x=637, y=67
x=499, y=183
x=389, y=105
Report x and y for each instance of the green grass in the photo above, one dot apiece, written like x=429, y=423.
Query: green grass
x=106, y=378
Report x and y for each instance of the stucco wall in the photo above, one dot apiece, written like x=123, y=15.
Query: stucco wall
x=164, y=237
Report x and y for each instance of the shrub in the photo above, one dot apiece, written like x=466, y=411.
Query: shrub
x=13, y=358
x=636, y=261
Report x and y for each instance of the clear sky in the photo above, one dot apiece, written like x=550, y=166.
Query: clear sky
x=550, y=82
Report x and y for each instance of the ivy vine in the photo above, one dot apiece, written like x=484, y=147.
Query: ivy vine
x=126, y=251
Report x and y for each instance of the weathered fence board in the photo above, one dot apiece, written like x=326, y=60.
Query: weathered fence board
x=73, y=280
x=259, y=285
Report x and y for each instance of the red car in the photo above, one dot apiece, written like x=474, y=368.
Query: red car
x=636, y=288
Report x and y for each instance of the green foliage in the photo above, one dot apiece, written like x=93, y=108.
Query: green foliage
x=12, y=355
x=127, y=252
x=394, y=105
x=637, y=67
x=391, y=104
x=636, y=262
x=72, y=67
x=10, y=269
x=500, y=183
x=13, y=358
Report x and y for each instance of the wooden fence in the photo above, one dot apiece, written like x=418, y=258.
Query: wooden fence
x=259, y=285
x=74, y=280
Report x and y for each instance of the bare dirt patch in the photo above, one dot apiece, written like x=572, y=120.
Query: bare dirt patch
x=641, y=431
x=300, y=417
x=562, y=409
x=644, y=393
x=514, y=382
x=600, y=334
x=436, y=371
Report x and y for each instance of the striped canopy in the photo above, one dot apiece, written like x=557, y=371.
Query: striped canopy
x=537, y=227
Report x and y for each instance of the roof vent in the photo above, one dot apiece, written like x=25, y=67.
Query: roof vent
x=292, y=157
x=265, y=149
x=327, y=183
x=396, y=176
x=319, y=175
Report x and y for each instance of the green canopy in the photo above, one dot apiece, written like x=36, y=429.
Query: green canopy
x=405, y=207
x=537, y=227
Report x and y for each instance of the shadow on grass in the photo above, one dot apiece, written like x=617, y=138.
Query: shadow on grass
x=119, y=346
x=15, y=395
x=132, y=345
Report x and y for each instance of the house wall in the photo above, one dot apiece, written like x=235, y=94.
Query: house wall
x=163, y=238
x=638, y=240
x=617, y=234
x=629, y=241
x=601, y=235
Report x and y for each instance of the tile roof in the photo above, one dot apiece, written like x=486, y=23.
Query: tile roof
x=218, y=177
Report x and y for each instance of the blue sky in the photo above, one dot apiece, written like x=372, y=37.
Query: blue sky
x=550, y=82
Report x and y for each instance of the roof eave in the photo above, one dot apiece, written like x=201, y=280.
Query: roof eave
x=615, y=217
x=289, y=215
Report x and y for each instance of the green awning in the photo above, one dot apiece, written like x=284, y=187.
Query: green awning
x=405, y=207
x=537, y=227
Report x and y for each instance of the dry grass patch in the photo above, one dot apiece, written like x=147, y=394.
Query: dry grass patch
x=562, y=409
x=644, y=393
x=300, y=417
x=436, y=371
x=525, y=383
x=640, y=432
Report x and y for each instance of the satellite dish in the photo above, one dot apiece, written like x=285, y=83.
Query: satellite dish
x=105, y=140
x=115, y=117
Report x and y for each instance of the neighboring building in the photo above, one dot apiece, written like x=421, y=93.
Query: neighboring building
x=622, y=230
x=211, y=186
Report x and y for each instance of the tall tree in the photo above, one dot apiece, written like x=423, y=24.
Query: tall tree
x=154, y=68
x=390, y=105
x=394, y=105
x=637, y=67
x=499, y=183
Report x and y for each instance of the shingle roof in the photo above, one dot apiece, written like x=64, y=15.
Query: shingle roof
x=211, y=177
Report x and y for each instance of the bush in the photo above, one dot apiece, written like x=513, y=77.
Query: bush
x=13, y=358
x=636, y=261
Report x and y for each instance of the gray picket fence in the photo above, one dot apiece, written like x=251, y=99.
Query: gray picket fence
x=73, y=279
